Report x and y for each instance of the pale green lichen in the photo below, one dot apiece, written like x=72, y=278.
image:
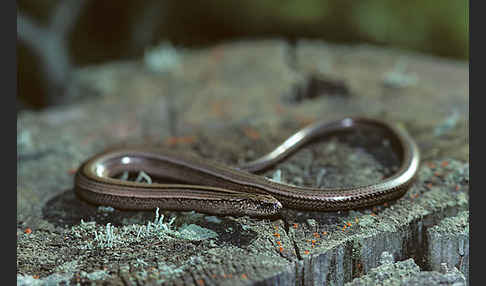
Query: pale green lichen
x=107, y=238
x=95, y=275
x=213, y=219
x=110, y=236
x=448, y=124
x=53, y=279
x=195, y=232
x=161, y=58
x=140, y=262
x=398, y=78
x=105, y=209
x=277, y=176
x=143, y=176
x=320, y=176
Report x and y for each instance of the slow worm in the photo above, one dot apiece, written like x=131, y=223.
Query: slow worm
x=214, y=188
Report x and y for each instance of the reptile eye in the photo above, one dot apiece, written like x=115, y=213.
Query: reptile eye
x=277, y=205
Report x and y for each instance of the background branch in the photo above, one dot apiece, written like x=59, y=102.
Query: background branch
x=51, y=46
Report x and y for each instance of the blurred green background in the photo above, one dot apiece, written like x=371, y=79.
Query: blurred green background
x=115, y=30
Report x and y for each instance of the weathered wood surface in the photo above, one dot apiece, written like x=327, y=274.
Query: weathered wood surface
x=232, y=103
x=407, y=273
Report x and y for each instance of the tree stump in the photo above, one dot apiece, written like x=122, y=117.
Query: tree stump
x=232, y=103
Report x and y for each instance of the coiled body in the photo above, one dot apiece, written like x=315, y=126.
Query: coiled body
x=211, y=187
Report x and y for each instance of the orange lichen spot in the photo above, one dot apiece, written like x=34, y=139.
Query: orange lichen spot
x=303, y=120
x=279, y=108
x=220, y=108
x=279, y=242
x=457, y=187
x=243, y=276
x=28, y=230
x=349, y=223
x=373, y=214
x=313, y=241
x=412, y=196
x=316, y=235
x=277, y=235
x=187, y=139
x=296, y=225
x=171, y=141
x=251, y=133
x=444, y=164
x=324, y=233
x=200, y=282
x=431, y=165
x=306, y=252
x=35, y=276
x=344, y=228
x=429, y=185
x=217, y=53
x=281, y=249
